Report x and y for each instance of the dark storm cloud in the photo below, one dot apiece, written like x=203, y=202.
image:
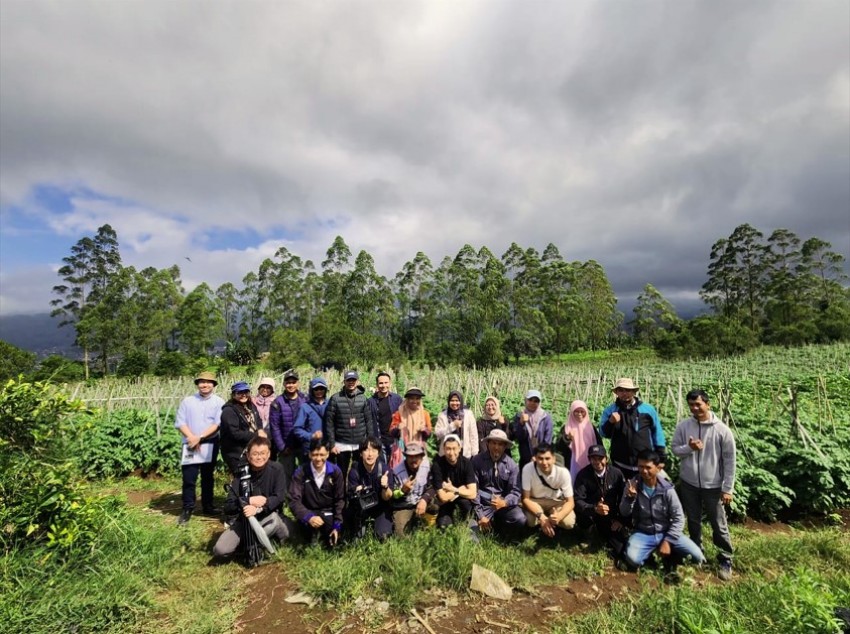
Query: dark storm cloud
x=635, y=134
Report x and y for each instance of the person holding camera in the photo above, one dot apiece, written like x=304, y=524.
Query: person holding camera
x=267, y=488
x=317, y=496
x=454, y=482
x=366, y=479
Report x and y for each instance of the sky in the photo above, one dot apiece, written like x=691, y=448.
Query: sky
x=632, y=133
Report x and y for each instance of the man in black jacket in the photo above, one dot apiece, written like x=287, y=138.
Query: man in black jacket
x=317, y=496
x=598, y=489
x=267, y=486
x=348, y=422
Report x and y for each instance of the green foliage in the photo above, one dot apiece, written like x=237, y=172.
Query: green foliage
x=135, y=363
x=42, y=501
x=127, y=441
x=14, y=361
x=171, y=363
x=58, y=369
x=290, y=349
x=139, y=575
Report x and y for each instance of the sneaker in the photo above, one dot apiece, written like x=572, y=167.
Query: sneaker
x=185, y=516
x=724, y=573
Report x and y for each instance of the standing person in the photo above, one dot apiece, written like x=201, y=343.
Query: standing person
x=367, y=479
x=348, y=422
x=656, y=513
x=282, y=415
x=490, y=420
x=547, y=493
x=412, y=422
x=632, y=426
x=577, y=436
x=598, y=489
x=498, y=502
x=460, y=421
x=409, y=488
x=311, y=416
x=240, y=422
x=264, y=398
x=531, y=427
x=264, y=503
x=198, y=419
x=453, y=479
x=706, y=447
x=317, y=496
x=383, y=404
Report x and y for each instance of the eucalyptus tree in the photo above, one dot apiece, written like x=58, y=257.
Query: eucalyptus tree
x=199, y=321
x=86, y=272
x=654, y=315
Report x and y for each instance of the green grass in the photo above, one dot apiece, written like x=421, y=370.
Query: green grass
x=140, y=576
x=784, y=583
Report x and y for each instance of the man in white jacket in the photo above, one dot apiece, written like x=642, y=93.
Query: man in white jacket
x=706, y=448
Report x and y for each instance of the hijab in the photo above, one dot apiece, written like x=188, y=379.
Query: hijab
x=583, y=437
x=497, y=416
x=450, y=413
x=411, y=422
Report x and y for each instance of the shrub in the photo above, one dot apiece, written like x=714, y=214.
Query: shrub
x=171, y=363
x=134, y=364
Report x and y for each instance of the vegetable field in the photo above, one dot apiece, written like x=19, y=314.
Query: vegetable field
x=789, y=409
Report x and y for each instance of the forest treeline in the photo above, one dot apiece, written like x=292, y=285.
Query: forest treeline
x=475, y=308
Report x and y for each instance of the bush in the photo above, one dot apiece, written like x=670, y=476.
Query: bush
x=42, y=499
x=14, y=361
x=171, y=364
x=134, y=364
x=58, y=369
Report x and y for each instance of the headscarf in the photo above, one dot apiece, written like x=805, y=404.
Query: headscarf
x=411, y=422
x=583, y=437
x=533, y=424
x=263, y=404
x=498, y=415
x=450, y=413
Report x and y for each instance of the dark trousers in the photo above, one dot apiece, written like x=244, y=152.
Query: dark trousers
x=190, y=479
x=694, y=502
x=380, y=517
x=344, y=460
x=615, y=540
x=321, y=534
x=447, y=510
x=287, y=460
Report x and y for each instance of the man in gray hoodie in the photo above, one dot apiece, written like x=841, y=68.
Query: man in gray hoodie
x=706, y=448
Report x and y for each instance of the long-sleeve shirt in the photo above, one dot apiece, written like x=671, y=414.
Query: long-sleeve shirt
x=282, y=415
x=307, y=500
x=713, y=466
x=659, y=515
x=500, y=478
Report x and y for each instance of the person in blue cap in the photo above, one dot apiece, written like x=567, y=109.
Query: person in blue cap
x=240, y=423
x=308, y=423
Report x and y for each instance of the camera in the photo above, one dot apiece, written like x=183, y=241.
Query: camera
x=365, y=498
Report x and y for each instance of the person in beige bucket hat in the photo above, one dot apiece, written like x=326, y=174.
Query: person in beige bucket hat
x=632, y=426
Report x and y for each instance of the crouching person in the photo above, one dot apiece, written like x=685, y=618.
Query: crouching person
x=498, y=502
x=367, y=479
x=652, y=504
x=598, y=491
x=453, y=479
x=409, y=488
x=547, y=493
x=267, y=489
x=317, y=496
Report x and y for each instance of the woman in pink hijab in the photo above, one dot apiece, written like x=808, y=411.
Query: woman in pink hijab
x=576, y=438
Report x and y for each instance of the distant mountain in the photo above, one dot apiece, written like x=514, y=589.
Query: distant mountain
x=38, y=333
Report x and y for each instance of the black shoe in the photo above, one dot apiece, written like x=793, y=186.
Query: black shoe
x=211, y=511
x=185, y=516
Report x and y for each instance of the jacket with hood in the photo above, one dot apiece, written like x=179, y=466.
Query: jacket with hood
x=311, y=416
x=713, y=467
x=660, y=514
x=638, y=429
x=282, y=415
x=348, y=419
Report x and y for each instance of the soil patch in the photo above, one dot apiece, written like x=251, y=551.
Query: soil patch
x=444, y=612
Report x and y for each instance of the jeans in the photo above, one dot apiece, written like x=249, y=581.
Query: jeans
x=694, y=501
x=190, y=479
x=641, y=545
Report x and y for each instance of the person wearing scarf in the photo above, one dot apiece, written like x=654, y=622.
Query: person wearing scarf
x=240, y=422
x=411, y=422
x=491, y=419
x=264, y=398
x=531, y=426
x=577, y=436
x=457, y=419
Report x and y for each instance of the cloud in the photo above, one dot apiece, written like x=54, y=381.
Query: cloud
x=635, y=135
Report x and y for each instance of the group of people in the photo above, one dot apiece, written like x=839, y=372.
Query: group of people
x=349, y=464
